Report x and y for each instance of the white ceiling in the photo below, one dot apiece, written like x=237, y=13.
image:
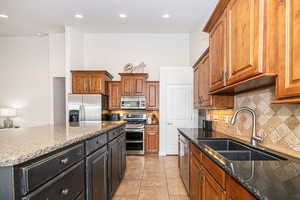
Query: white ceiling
x=28, y=17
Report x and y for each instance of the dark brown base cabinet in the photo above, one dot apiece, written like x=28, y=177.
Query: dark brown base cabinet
x=96, y=175
x=116, y=163
x=89, y=170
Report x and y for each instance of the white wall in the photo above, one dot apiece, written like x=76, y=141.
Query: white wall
x=77, y=48
x=24, y=78
x=57, y=54
x=199, y=42
x=113, y=51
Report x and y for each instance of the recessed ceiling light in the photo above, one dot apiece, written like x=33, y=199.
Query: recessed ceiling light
x=3, y=16
x=166, y=16
x=78, y=16
x=123, y=15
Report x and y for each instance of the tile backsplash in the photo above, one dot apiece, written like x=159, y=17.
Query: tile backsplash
x=278, y=124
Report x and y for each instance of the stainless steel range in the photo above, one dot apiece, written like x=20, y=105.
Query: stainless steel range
x=135, y=130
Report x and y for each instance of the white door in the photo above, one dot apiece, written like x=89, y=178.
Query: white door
x=176, y=109
x=179, y=113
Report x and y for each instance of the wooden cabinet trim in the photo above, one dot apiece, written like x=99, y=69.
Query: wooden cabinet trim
x=217, y=13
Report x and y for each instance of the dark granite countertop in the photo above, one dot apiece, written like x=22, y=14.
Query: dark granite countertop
x=267, y=180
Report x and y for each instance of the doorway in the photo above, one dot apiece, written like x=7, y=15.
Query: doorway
x=176, y=106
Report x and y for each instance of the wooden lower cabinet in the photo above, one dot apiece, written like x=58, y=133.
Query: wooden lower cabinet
x=237, y=192
x=211, y=189
x=207, y=182
x=152, y=138
x=196, y=180
x=96, y=175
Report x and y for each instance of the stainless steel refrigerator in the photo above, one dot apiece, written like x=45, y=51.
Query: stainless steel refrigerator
x=88, y=107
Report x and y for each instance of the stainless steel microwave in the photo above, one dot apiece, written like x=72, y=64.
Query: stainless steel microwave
x=133, y=102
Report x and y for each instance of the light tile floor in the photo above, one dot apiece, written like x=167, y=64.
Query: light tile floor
x=153, y=178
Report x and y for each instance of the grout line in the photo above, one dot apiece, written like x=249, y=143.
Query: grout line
x=166, y=178
x=142, y=178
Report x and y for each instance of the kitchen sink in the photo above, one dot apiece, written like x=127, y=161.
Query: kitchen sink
x=224, y=145
x=238, y=152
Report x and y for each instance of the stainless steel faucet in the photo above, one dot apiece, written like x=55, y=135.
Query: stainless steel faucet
x=254, y=138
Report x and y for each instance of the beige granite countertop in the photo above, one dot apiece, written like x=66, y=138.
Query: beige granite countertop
x=20, y=145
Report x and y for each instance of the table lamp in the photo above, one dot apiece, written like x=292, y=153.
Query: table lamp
x=8, y=113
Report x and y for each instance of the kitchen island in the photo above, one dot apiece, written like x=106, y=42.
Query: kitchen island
x=74, y=161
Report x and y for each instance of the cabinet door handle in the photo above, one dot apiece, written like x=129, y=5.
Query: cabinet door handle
x=200, y=177
x=64, y=161
x=222, y=75
x=65, y=192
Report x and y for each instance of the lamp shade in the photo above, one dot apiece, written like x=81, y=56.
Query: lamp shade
x=8, y=112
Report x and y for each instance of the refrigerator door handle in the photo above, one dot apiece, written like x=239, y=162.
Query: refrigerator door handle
x=83, y=112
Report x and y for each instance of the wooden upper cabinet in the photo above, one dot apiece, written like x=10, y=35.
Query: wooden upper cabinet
x=288, y=82
x=196, y=86
x=127, y=85
x=114, y=95
x=80, y=83
x=205, y=99
x=152, y=95
x=217, y=54
x=90, y=82
x=139, y=86
x=133, y=84
x=97, y=84
x=244, y=39
x=243, y=45
x=202, y=99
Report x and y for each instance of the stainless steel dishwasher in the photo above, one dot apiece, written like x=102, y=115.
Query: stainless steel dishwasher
x=184, y=164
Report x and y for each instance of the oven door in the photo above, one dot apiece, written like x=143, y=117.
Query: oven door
x=134, y=135
x=134, y=141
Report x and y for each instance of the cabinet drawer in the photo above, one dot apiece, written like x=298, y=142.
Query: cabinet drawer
x=115, y=133
x=37, y=173
x=196, y=153
x=95, y=143
x=152, y=128
x=67, y=186
x=215, y=171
